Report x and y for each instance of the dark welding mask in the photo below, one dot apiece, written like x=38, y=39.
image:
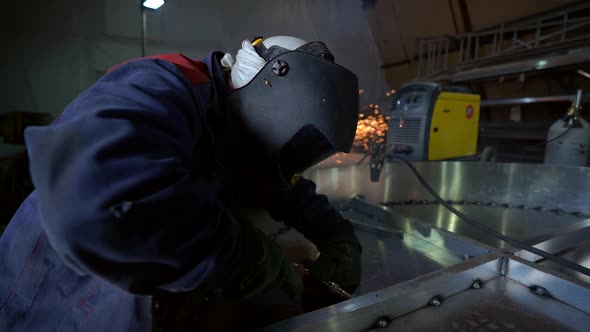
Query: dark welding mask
x=300, y=109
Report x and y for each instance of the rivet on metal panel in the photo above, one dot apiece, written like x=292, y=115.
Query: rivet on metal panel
x=477, y=284
x=435, y=301
x=503, y=266
x=382, y=322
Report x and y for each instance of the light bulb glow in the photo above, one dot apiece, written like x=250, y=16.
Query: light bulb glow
x=153, y=4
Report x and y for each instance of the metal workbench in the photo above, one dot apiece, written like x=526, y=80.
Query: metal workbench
x=424, y=269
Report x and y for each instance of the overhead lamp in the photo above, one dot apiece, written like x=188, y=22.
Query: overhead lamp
x=145, y=6
x=152, y=4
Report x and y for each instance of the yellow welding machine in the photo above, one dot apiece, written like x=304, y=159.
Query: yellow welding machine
x=429, y=122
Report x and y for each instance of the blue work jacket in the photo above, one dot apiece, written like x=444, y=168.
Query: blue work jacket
x=125, y=204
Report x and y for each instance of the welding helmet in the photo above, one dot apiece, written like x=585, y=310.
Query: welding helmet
x=298, y=110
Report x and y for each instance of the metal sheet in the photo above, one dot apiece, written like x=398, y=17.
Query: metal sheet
x=580, y=255
x=528, y=226
x=504, y=303
x=361, y=312
x=560, y=287
x=389, y=261
x=457, y=244
x=501, y=305
x=391, y=256
x=569, y=242
x=553, y=187
x=421, y=249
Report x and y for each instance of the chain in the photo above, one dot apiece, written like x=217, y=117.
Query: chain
x=577, y=214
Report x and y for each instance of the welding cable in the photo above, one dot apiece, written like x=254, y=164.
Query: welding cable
x=576, y=267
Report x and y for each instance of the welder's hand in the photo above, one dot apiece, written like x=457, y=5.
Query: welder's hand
x=262, y=267
x=340, y=257
x=312, y=215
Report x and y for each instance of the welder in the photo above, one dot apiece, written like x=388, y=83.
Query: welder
x=136, y=183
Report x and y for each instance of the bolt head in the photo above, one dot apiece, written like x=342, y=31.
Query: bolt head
x=280, y=68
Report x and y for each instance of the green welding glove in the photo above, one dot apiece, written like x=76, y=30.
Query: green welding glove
x=340, y=257
x=262, y=267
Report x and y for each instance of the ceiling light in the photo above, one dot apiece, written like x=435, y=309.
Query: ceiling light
x=153, y=4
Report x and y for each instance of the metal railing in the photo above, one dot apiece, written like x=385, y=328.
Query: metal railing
x=559, y=28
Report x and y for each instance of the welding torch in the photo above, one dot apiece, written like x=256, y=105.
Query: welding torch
x=332, y=287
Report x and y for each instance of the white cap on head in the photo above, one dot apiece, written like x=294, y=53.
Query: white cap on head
x=288, y=42
x=248, y=63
